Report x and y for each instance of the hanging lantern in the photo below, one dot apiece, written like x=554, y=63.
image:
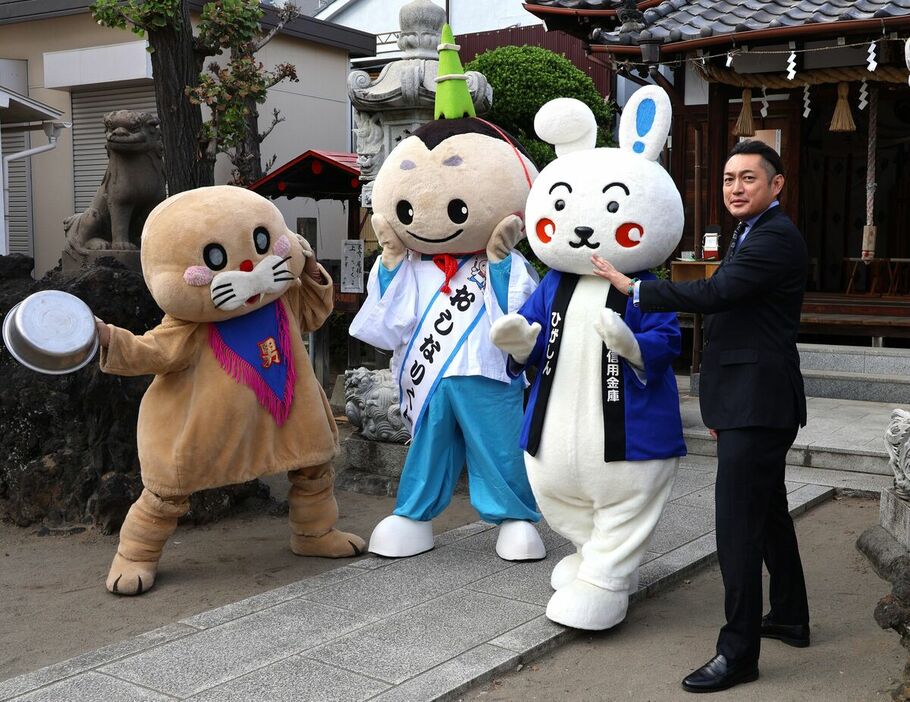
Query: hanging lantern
x=744, y=125
x=842, y=121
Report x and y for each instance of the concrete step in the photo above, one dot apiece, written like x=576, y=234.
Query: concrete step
x=806, y=455
x=855, y=359
x=864, y=386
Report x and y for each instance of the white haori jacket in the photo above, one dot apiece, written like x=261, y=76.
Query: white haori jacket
x=389, y=320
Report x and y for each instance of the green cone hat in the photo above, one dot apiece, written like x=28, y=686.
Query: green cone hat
x=453, y=99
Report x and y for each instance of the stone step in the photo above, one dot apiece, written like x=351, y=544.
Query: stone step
x=863, y=386
x=807, y=455
x=855, y=359
x=843, y=385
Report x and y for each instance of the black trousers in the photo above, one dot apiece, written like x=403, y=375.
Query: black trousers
x=754, y=525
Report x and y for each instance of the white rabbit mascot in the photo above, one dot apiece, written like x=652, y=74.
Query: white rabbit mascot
x=602, y=432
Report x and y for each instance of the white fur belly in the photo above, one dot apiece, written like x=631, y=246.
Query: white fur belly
x=573, y=426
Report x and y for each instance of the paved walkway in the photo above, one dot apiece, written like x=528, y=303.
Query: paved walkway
x=429, y=627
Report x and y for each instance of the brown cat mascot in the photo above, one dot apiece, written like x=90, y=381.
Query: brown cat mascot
x=234, y=396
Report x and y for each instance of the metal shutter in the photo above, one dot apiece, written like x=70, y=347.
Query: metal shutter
x=89, y=156
x=20, y=194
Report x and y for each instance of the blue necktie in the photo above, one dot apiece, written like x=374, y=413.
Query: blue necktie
x=737, y=235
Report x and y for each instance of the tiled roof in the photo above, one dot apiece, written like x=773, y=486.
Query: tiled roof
x=683, y=20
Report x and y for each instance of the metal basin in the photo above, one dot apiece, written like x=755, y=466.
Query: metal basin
x=51, y=332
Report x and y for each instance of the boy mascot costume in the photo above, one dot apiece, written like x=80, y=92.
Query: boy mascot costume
x=602, y=431
x=448, y=203
x=234, y=396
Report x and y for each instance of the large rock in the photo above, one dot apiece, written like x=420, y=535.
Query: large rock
x=68, y=445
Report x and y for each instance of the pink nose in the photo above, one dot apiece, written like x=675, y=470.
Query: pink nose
x=246, y=266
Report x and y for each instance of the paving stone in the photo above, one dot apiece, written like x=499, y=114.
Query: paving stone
x=93, y=687
x=221, y=615
x=453, y=677
x=806, y=497
x=91, y=659
x=462, y=532
x=410, y=581
x=485, y=541
x=535, y=637
x=689, y=481
x=842, y=480
x=675, y=565
x=213, y=656
x=414, y=641
x=528, y=582
x=295, y=679
x=680, y=524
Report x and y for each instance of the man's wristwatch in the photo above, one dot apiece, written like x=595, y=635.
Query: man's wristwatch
x=631, y=287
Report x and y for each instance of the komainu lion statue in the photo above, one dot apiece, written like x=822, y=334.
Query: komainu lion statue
x=897, y=441
x=371, y=405
x=133, y=184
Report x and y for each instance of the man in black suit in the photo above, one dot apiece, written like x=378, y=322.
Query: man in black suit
x=752, y=397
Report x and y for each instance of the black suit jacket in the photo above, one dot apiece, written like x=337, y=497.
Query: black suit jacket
x=750, y=373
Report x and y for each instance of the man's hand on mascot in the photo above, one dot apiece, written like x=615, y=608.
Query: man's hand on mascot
x=505, y=236
x=104, y=333
x=392, y=249
x=515, y=336
x=607, y=271
x=618, y=337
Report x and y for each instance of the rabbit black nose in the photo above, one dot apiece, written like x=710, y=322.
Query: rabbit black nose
x=584, y=233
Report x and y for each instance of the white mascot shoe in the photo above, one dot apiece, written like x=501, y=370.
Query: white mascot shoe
x=565, y=571
x=400, y=537
x=519, y=541
x=582, y=605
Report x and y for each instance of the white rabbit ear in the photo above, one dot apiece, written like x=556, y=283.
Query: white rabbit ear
x=568, y=124
x=645, y=122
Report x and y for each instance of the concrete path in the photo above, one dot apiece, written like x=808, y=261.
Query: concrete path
x=429, y=627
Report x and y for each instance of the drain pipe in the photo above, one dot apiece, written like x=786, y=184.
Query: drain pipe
x=52, y=129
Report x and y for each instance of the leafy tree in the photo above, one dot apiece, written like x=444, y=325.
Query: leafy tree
x=526, y=77
x=232, y=92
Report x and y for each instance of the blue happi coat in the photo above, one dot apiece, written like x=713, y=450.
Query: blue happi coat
x=653, y=426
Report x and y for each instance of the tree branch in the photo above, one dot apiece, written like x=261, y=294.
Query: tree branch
x=276, y=120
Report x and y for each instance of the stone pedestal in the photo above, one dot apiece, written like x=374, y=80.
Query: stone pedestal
x=895, y=517
x=887, y=546
x=374, y=467
x=75, y=260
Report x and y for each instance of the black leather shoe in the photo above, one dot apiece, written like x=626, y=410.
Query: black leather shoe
x=791, y=634
x=719, y=674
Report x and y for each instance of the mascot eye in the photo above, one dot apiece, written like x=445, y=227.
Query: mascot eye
x=404, y=211
x=559, y=205
x=261, y=239
x=612, y=206
x=458, y=211
x=214, y=256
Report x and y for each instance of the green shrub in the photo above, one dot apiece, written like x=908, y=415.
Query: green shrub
x=523, y=79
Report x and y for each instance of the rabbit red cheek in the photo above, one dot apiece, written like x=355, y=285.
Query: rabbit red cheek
x=545, y=229
x=629, y=234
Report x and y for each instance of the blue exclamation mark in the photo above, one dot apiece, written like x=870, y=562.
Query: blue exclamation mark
x=644, y=120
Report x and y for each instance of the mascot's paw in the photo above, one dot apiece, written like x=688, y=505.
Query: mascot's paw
x=400, y=537
x=515, y=336
x=581, y=605
x=565, y=571
x=519, y=541
x=334, y=544
x=130, y=577
x=616, y=334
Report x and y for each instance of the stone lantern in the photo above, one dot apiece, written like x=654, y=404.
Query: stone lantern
x=387, y=109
